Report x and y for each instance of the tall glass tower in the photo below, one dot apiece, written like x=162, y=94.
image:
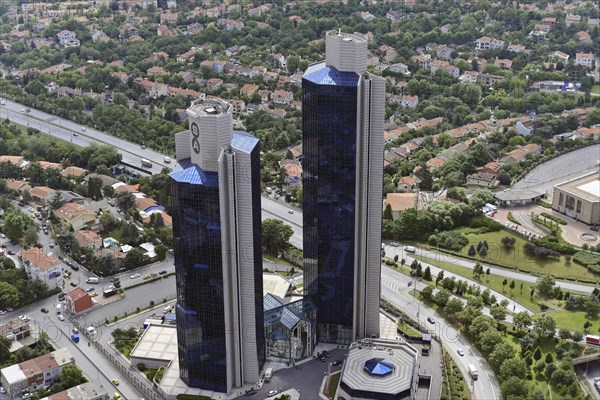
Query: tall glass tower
x=342, y=128
x=218, y=256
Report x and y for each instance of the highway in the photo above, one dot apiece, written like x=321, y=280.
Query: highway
x=72, y=132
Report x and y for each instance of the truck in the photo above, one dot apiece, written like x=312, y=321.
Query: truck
x=92, y=279
x=473, y=372
x=58, y=308
x=491, y=207
x=592, y=339
x=110, y=291
x=146, y=163
x=268, y=374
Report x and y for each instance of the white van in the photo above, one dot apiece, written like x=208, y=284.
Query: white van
x=410, y=249
x=473, y=372
x=92, y=279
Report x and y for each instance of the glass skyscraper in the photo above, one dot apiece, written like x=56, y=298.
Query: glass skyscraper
x=218, y=256
x=342, y=126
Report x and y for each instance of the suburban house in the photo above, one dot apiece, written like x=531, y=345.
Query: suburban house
x=78, y=301
x=40, y=193
x=76, y=216
x=559, y=55
x=584, y=59
x=407, y=184
x=86, y=238
x=296, y=153
x=516, y=48
x=486, y=43
x=73, y=172
x=572, y=19
x=283, y=97
x=15, y=329
x=35, y=374
x=435, y=163
x=42, y=267
x=490, y=168
x=291, y=167
x=18, y=186
x=399, y=68
x=481, y=179
x=399, y=202
x=67, y=38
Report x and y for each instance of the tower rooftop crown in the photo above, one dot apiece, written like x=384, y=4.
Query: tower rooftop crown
x=346, y=52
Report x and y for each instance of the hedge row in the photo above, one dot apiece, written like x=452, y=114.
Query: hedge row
x=586, y=258
x=554, y=218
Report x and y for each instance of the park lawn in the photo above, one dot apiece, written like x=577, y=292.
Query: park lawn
x=574, y=320
x=596, y=89
x=491, y=281
x=333, y=384
x=516, y=258
x=409, y=330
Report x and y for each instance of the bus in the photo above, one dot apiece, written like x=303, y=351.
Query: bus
x=473, y=372
x=146, y=163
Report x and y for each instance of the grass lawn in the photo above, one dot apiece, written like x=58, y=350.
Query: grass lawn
x=516, y=258
x=596, y=89
x=333, y=383
x=491, y=281
x=409, y=330
x=574, y=320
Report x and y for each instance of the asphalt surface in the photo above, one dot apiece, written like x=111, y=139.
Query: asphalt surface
x=560, y=169
x=72, y=132
x=486, y=387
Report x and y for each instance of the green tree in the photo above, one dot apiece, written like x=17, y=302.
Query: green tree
x=427, y=274
x=483, y=252
x=94, y=188
x=427, y=293
x=480, y=197
x=453, y=307
x=276, y=235
x=442, y=297
x=472, y=251
x=31, y=235
x=489, y=339
x=387, y=213
x=135, y=257
x=481, y=324
x=125, y=200
x=514, y=388
x=513, y=367
x=545, y=325
x=537, y=354
x=14, y=225
x=522, y=320
x=545, y=285
x=5, y=344
x=71, y=376
x=498, y=312
x=9, y=295
x=503, y=351
x=512, y=285
x=504, y=282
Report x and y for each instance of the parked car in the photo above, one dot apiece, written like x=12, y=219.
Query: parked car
x=44, y=310
x=460, y=352
x=115, y=382
x=134, y=276
x=75, y=331
x=272, y=393
x=164, y=271
x=60, y=317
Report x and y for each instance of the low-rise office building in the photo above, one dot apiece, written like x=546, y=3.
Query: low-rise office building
x=579, y=198
x=87, y=391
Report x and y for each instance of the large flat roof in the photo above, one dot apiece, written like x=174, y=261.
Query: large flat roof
x=517, y=195
x=399, y=355
x=158, y=342
x=586, y=187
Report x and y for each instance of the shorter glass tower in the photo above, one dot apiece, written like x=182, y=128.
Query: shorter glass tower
x=217, y=241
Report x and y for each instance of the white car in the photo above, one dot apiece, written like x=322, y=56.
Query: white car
x=271, y=393
x=2, y=390
x=135, y=276
x=167, y=160
x=460, y=352
x=24, y=318
x=60, y=317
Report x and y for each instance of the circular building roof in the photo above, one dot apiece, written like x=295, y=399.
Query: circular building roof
x=379, y=367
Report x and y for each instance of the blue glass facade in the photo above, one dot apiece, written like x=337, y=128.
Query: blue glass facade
x=329, y=126
x=199, y=275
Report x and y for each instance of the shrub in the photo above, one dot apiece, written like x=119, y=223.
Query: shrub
x=555, y=242
x=585, y=258
x=554, y=218
x=450, y=240
x=508, y=242
x=512, y=219
x=540, y=252
x=485, y=224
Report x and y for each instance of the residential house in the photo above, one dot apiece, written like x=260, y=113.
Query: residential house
x=489, y=79
x=296, y=153
x=592, y=22
x=122, y=76
x=15, y=329
x=399, y=68
x=559, y=55
x=99, y=36
x=265, y=95
x=367, y=16
x=39, y=193
x=516, y=48
x=52, y=87
x=18, y=186
x=446, y=28
x=571, y=19
x=156, y=71
x=78, y=301
x=492, y=168
x=278, y=113
x=239, y=106
x=441, y=64
x=409, y=101
x=34, y=374
x=399, y=202
x=441, y=51
x=387, y=52
x=424, y=60
x=435, y=163
x=393, y=15
x=73, y=172
x=291, y=167
x=230, y=24
x=592, y=132
x=416, y=125
x=86, y=238
x=154, y=89
x=147, y=218
x=214, y=83
x=486, y=43
x=469, y=77
x=520, y=153
x=407, y=184
x=584, y=59
x=584, y=37
x=67, y=38
x=550, y=21
x=188, y=55
x=40, y=266
x=283, y=97
x=164, y=30
x=503, y=63
x=76, y=216
x=168, y=18
x=482, y=179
